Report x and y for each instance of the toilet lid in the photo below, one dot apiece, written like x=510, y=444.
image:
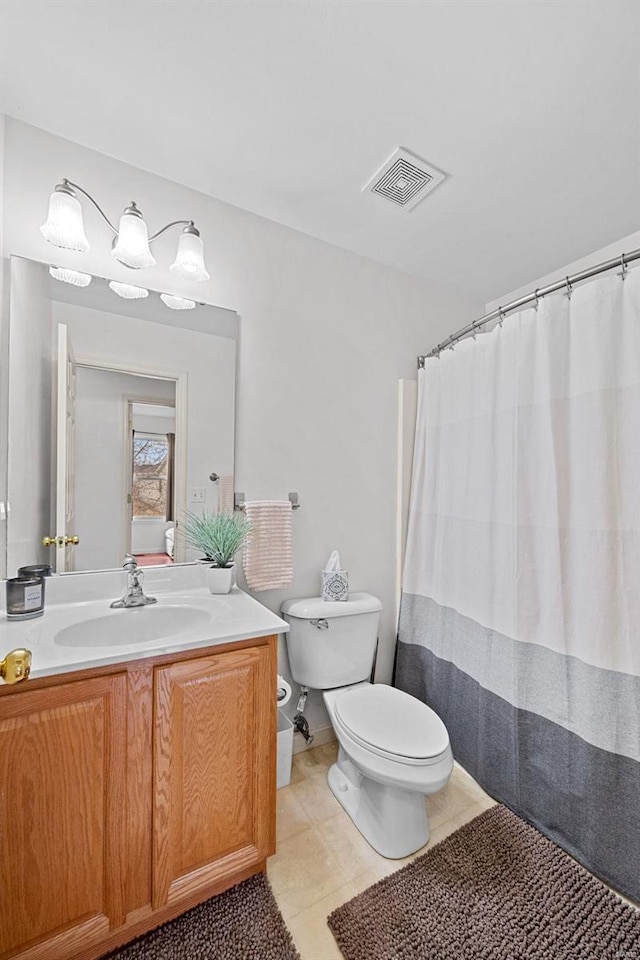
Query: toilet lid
x=392, y=721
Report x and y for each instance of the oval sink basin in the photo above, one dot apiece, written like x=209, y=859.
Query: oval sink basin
x=136, y=625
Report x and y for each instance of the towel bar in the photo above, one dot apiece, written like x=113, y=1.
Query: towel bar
x=239, y=499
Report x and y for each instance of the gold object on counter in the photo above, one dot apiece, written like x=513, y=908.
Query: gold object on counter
x=16, y=666
x=60, y=541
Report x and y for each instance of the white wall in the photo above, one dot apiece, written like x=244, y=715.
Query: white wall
x=154, y=424
x=407, y=413
x=610, y=252
x=102, y=461
x=325, y=336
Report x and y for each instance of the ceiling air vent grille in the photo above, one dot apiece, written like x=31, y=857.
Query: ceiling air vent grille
x=404, y=179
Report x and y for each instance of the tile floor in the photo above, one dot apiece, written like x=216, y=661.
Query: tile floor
x=322, y=860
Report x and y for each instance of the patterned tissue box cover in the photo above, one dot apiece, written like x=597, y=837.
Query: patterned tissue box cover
x=335, y=585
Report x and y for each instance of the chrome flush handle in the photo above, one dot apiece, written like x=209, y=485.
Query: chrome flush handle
x=320, y=624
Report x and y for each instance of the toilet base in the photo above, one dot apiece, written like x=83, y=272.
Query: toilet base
x=393, y=820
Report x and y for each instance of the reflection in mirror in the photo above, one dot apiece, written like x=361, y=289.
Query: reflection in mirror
x=119, y=413
x=150, y=458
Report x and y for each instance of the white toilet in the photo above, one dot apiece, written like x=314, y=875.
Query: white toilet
x=393, y=748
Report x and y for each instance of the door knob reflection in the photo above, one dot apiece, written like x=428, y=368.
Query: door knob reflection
x=60, y=541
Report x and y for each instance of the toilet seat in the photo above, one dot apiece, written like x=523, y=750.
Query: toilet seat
x=392, y=724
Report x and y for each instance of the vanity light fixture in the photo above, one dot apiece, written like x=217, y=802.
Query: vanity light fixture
x=127, y=291
x=70, y=276
x=64, y=227
x=131, y=245
x=189, y=262
x=177, y=303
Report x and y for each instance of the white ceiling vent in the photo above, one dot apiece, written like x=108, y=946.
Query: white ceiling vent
x=404, y=179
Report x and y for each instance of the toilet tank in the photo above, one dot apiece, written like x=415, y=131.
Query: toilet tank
x=332, y=643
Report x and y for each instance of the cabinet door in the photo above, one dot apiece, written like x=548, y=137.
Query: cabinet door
x=62, y=817
x=214, y=772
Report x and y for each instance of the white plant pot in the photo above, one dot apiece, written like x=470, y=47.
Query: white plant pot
x=220, y=579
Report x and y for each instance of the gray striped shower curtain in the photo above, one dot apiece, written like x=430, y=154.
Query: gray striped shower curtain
x=520, y=613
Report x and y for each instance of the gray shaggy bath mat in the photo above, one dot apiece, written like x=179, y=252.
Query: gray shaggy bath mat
x=496, y=889
x=242, y=923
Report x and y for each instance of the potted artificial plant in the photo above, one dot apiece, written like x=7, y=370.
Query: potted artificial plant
x=219, y=536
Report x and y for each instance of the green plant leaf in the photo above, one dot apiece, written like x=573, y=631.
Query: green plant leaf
x=218, y=535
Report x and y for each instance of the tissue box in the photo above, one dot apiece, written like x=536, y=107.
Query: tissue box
x=335, y=585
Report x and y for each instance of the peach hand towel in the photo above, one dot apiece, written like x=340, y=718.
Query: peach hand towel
x=225, y=494
x=268, y=557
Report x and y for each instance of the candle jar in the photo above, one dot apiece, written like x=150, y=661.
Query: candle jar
x=25, y=598
x=35, y=570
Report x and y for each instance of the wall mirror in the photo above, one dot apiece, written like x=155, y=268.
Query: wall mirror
x=121, y=417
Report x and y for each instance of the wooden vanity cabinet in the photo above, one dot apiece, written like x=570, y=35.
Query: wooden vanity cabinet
x=131, y=793
x=212, y=773
x=62, y=817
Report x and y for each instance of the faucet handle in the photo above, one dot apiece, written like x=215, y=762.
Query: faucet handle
x=130, y=563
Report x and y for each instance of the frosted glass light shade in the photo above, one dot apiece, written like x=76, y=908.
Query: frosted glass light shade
x=127, y=291
x=71, y=276
x=177, y=303
x=64, y=227
x=132, y=244
x=189, y=262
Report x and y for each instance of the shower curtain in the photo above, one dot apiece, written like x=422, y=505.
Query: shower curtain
x=520, y=614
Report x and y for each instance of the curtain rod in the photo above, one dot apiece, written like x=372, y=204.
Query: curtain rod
x=622, y=261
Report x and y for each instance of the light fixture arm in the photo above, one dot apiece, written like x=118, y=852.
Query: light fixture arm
x=176, y=223
x=70, y=183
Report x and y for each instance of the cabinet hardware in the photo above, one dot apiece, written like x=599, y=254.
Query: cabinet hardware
x=16, y=666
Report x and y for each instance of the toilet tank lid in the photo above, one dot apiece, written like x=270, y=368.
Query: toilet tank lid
x=315, y=608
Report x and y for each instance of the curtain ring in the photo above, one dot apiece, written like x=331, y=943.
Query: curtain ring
x=537, y=300
x=625, y=268
x=500, y=317
x=569, y=289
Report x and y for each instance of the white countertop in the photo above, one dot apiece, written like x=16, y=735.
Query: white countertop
x=86, y=597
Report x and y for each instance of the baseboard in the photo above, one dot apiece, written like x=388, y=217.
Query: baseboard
x=321, y=735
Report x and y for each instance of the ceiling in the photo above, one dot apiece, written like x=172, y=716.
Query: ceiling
x=288, y=107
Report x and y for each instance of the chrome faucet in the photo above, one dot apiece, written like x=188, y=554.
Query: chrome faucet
x=134, y=595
